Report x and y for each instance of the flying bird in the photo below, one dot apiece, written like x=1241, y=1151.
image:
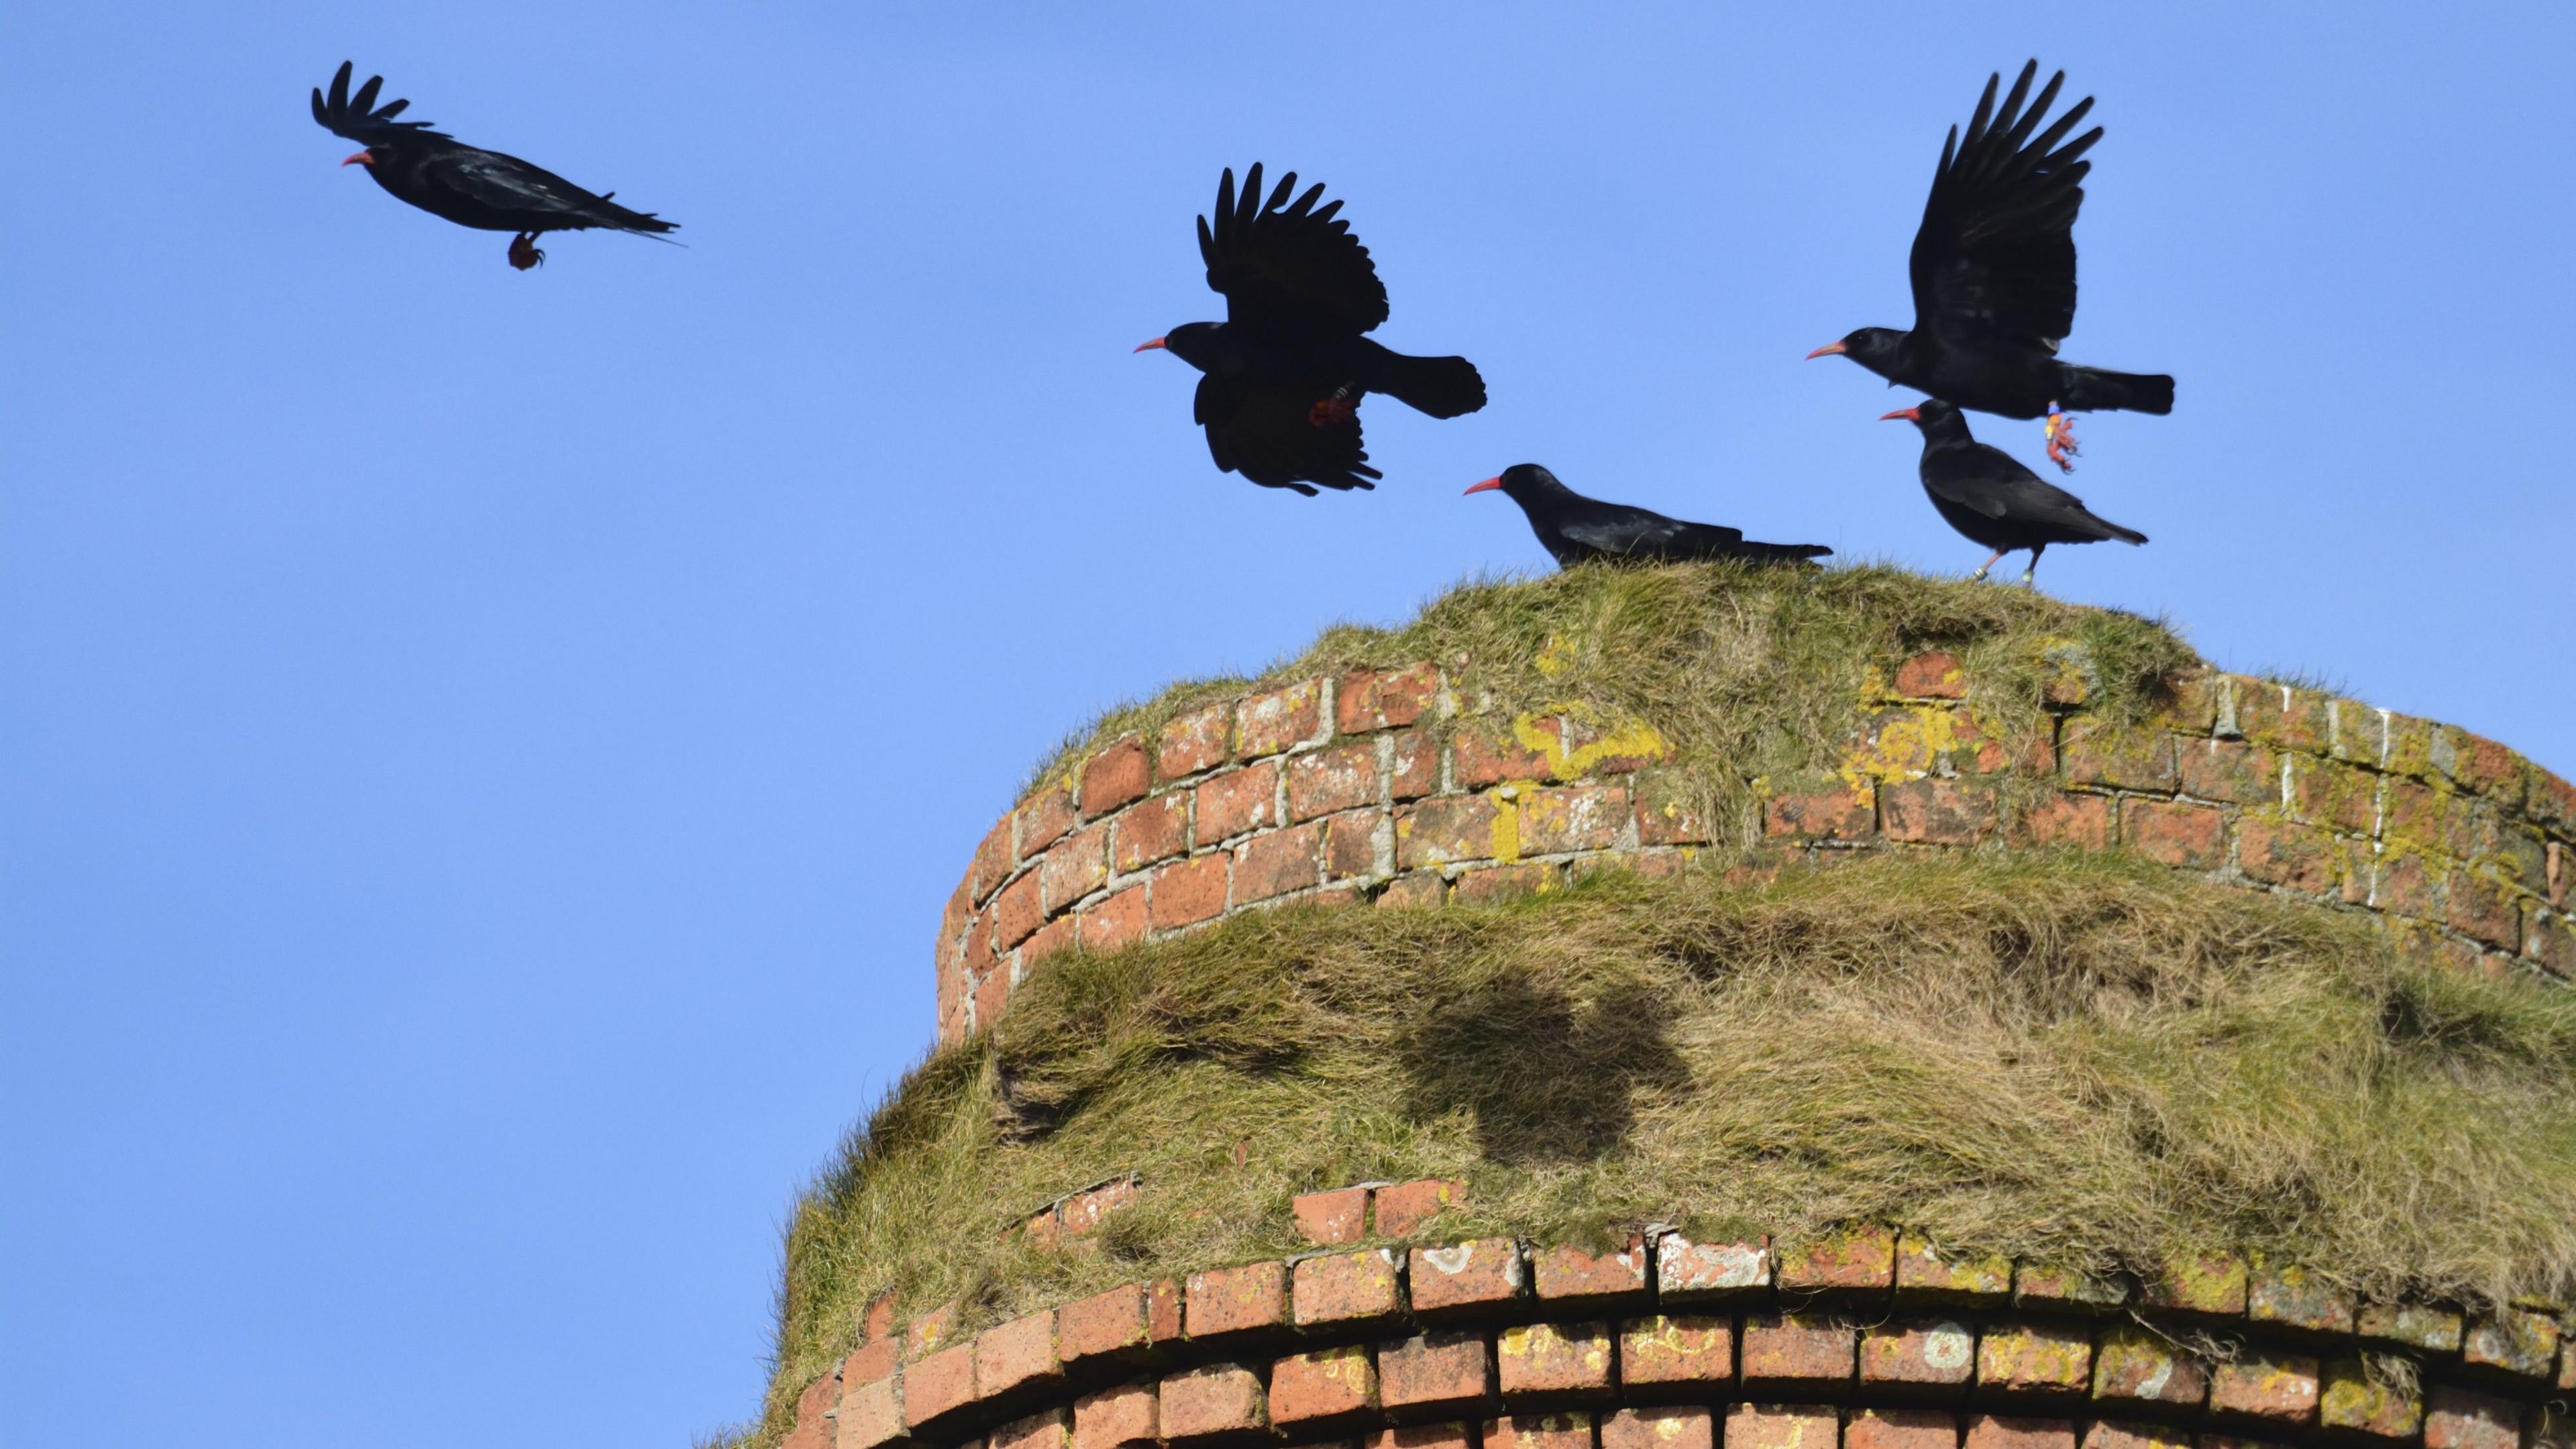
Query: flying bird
x=466, y=184
x=1575, y=528
x=1985, y=493
x=1286, y=370
x=1993, y=273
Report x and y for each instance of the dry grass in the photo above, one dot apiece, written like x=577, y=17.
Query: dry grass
x=2073, y=1059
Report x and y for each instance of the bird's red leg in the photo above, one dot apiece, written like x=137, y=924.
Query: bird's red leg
x=1980, y=574
x=523, y=251
x=2060, y=432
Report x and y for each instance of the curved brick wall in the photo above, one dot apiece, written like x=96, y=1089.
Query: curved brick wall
x=1867, y=1341
x=1379, y=786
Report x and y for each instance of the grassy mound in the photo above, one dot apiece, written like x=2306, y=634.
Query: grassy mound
x=2077, y=1059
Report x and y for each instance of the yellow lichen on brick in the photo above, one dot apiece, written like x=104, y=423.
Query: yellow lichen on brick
x=1903, y=746
x=1546, y=730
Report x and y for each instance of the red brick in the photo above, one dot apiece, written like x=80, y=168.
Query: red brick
x=1234, y=801
x=2513, y=1341
x=1688, y=1272
x=879, y=1321
x=1194, y=741
x=1102, y=1325
x=1270, y=722
x=1219, y=1400
x=1278, y=863
x=2458, y=1419
x=1249, y=1299
x=2140, y=1365
x=1117, y=1418
x=2406, y=887
x=1477, y=1274
x=1504, y=882
x=2426, y=816
x=2287, y=1293
x=871, y=1362
x=1109, y=924
x=1365, y=700
x=1056, y=935
x=1676, y=1349
x=1773, y=1426
x=1416, y=890
x=1164, y=1299
x=1862, y=1258
x=2212, y=1283
x=1417, y=1436
x=2416, y=1325
x=2036, y=1359
x=1019, y=910
x=2080, y=821
x=1926, y=1275
x=1402, y=1208
x=1346, y=1288
x=1156, y=830
x=2277, y=714
x=992, y=993
x=1114, y=777
x=1075, y=867
x=2484, y=910
x=1671, y=1428
x=1341, y=778
x=1338, y=1216
x=1489, y=757
x=1350, y=844
x=2188, y=700
x=2230, y=770
x=1579, y=817
x=993, y=861
x=1539, y=1431
x=2190, y=837
x=1189, y=892
x=1987, y=1431
x=1571, y=1275
x=2550, y=940
x=2354, y=1401
x=1902, y=1429
x=1826, y=815
x=1413, y=765
x=871, y=1414
x=1936, y=812
x=1669, y=810
x=2281, y=1387
x=2298, y=856
x=938, y=1384
x=1434, y=1371
x=1939, y=1354
x=1016, y=1356
x=1547, y=1358
x=1082, y=1212
x=1933, y=674
x=2104, y=1434
x=1322, y=1386
x=811, y=1429
x=1046, y=1429
x=2119, y=758
x=1045, y=817
x=1799, y=1350
x=2336, y=795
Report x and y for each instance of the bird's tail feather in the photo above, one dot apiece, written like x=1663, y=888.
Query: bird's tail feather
x=2095, y=391
x=1444, y=387
x=1777, y=552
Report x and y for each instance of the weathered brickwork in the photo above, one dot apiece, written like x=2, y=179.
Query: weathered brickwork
x=1377, y=786
x=1865, y=1340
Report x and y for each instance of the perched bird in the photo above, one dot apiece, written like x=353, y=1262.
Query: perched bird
x=1993, y=271
x=1575, y=528
x=1986, y=493
x=466, y=184
x=1287, y=368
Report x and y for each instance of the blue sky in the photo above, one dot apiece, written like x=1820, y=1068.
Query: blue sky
x=482, y=754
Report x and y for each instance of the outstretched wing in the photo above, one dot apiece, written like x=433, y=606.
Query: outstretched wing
x=508, y=184
x=1293, y=264
x=358, y=118
x=1995, y=257
x=1280, y=435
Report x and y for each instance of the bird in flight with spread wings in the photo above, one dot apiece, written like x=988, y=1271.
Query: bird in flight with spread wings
x=466, y=184
x=1285, y=372
x=1993, y=274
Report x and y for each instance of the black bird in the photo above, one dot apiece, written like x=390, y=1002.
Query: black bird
x=1575, y=528
x=1993, y=272
x=1986, y=493
x=466, y=184
x=1287, y=368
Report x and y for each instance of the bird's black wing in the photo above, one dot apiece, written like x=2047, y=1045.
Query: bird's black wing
x=358, y=117
x=1283, y=263
x=508, y=184
x=1640, y=533
x=1993, y=482
x=1995, y=257
x=1271, y=432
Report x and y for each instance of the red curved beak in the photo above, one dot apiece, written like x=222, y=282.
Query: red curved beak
x=1149, y=346
x=363, y=158
x=1494, y=482
x=1830, y=349
x=1911, y=415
